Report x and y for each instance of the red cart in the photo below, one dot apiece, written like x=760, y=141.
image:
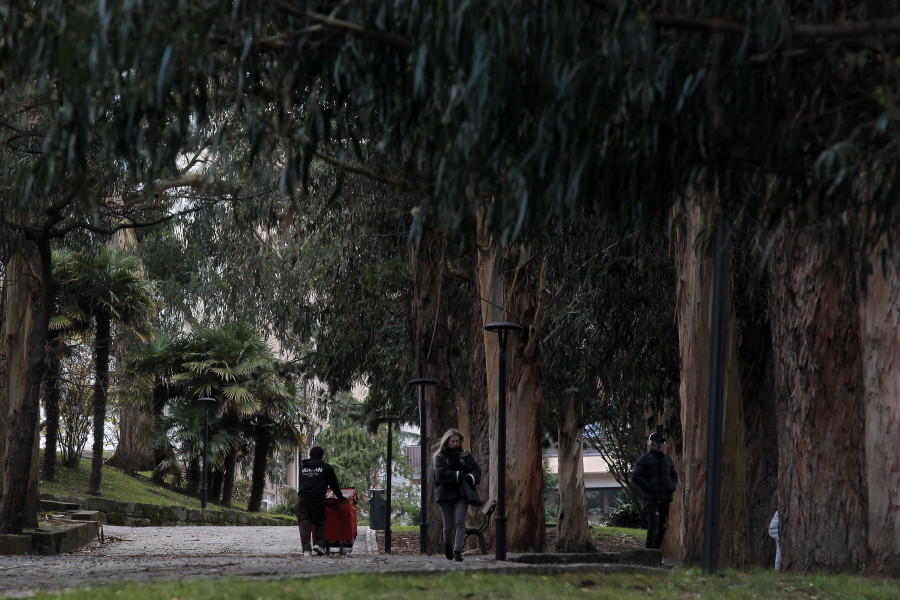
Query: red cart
x=340, y=521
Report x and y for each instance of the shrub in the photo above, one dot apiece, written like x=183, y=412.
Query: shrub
x=281, y=509
x=625, y=514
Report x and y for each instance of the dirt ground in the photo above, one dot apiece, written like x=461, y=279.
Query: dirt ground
x=408, y=542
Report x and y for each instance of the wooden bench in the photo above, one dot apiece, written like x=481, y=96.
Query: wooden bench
x=478, y=532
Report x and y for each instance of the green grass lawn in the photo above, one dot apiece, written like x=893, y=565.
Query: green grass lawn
x=635, y=533
x=121, y=487
x=680, y=584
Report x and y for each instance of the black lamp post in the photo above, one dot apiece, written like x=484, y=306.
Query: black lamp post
x=206, y=404
x=719, y=335
x=423, y=461
x=390, y=449
x=501, y=328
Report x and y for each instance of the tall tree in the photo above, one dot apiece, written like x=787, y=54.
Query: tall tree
x=22, y=294
x=108, y=286
x=822, y=492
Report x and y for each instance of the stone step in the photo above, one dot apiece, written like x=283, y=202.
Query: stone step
x=86, y=515
x=56, y=506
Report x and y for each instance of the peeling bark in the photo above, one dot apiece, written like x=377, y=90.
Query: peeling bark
x=430, y=329
x=880, y=336
x=479, y=413
x=822, y=472
x=694, y=301
x=572, y=529
x=30, y=291
x=505, y=297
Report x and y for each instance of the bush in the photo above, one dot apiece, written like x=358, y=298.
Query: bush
x=281, y=509
x=625, y=514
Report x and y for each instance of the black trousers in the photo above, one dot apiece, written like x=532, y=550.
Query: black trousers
x=658, y=515
x=311, y=515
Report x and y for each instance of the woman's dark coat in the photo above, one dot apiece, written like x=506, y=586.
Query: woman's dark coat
x=450, y=466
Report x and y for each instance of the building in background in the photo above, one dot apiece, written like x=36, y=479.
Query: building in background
x=601, y=488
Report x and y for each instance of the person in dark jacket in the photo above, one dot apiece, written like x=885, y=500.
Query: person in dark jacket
x=453, y=466
x=655, y=474
x=316, y=476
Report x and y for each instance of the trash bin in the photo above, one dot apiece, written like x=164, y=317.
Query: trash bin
x=377, y=510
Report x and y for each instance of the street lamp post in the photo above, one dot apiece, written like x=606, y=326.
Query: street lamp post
x=719, y=335
x=423, y=461
x=206, y=404
x=387, y=526
x=502, y=329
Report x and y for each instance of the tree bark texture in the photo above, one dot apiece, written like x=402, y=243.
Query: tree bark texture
x=135, y=430
x=102, y=347
x=880, y=331
x=479, y=413
x=228, y=469
x=505, y=297
x=51, y=404
x=429, y=317
x=695, y=232
x=822, y=472
x=761, y=425
x=262, y=444
x=572, y=530
x=160, y=399
x=759, y=393
x=30, y=292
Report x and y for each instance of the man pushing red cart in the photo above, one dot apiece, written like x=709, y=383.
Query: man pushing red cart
x=340, y=521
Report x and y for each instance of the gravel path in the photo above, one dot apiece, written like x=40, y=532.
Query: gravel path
x=146, y=554
x=174, y=553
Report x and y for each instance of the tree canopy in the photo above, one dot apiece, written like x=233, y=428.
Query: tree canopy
x=543, y=106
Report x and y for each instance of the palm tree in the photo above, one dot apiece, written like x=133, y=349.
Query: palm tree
x=151, y=367
x=107, y=286
x=234, y=365
x=67, y=320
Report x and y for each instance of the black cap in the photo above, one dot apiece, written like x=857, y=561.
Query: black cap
x=657, y=437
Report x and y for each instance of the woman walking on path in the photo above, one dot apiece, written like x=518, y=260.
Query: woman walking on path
x=453, y=467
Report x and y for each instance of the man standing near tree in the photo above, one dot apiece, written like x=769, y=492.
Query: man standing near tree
x=316, y=476
x=655, y=474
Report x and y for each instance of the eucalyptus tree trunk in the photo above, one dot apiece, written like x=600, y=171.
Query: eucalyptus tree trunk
x=29, y=292
x=135, y=430
x=822, y=479
x=694, y=268
x=505, y=297
x=430, y=329
x=880, y=322
x=479, y=414
x=51, y=404
x=572, y=530
x=102, y=345
x=761, y=410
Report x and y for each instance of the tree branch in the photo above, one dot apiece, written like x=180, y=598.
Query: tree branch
x=799, y=30
x=348, y=27
x=359, y=170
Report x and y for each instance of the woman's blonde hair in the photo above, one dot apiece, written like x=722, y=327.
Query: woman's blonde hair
x=445, y=439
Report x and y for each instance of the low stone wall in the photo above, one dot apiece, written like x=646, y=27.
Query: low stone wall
x=57, y=539
x=135, y=514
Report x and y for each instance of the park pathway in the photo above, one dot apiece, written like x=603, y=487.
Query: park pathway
x=147, y=554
